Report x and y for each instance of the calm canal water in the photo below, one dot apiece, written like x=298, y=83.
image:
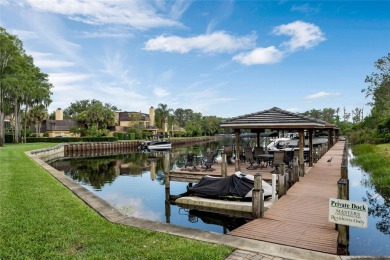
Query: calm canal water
x=134, y=183
x=375, y=240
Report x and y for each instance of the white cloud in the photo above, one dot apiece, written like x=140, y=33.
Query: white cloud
x=160, y=92
x=217, y=42
x=305, y=8
x=260, y=56
x=118, y=69
x=303, y=35
x=107, y=33
x=24, y=35
x=47, y=60
x=67, y=78
x=321, y=95
x=138, y=14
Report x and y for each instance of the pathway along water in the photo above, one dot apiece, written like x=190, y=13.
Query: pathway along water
x=134, y=183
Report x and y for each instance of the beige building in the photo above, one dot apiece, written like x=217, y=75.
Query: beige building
x=127, y=119
x=57, y=127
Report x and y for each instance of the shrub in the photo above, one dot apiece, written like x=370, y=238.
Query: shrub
x=9, y=139
x=71, y=139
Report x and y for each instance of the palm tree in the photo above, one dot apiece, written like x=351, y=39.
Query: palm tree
x=162, y=115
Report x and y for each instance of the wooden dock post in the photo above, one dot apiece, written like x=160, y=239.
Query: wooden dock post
x=274, y=197
x=167, y=177
x=295, y=170
x=343, y=238
x=237, y=150
x=167, y=199
x=281, y=181
x=258, y=197
x=224, y=166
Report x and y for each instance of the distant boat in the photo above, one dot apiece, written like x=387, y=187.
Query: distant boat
x=155, y=145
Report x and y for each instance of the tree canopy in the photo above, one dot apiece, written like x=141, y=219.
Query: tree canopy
x=22, y=84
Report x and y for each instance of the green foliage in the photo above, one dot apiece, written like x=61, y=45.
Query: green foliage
x=98, y=139
x=75, y=109
x=22, y=84
x=93, y=131
x=71, y=139
x=375, y=159
x=121, y=136
x=9, y=139
x=361, y=136
x=146, y=135
x=41, y=219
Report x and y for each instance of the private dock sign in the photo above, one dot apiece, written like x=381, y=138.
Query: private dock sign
x=349, y=213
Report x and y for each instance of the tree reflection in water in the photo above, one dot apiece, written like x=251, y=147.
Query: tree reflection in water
x=379, y=207
x=98, y=171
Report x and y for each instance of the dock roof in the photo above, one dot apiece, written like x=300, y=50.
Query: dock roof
x=274, y=118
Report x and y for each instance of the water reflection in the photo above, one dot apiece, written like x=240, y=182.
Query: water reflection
x=134, y=183
x=375, y=240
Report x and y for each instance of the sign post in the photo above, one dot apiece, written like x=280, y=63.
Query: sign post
x=349, y=213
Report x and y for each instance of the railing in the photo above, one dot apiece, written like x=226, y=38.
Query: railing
x=343, y=194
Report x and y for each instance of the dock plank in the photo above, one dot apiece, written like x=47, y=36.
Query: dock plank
x=300, y=218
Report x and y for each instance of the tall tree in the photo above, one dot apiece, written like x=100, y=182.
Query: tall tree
x=21, y=83
x=379, y=88
x=162, y=115
x=36, y=115
x=11, y=49
x=94, y=114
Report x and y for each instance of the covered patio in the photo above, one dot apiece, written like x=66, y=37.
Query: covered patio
x=276, y=119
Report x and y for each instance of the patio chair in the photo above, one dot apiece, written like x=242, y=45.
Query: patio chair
x=261, y=163
x=249, y=158
x=279, y=158
x=191, y=162
x=210, y=160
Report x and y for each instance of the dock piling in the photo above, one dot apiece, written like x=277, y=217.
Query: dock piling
x=224, y=166
x=281, y=181
x=258, y=198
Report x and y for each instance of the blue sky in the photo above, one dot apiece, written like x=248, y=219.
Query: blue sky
x=224, y=58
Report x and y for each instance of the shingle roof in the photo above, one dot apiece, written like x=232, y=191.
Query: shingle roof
x=274, y=118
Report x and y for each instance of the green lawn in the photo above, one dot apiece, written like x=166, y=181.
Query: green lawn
x=40, y=218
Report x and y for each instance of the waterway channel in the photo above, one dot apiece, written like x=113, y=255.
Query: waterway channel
x=134, y=184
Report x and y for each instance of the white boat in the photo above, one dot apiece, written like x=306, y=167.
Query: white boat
x=155, y=145
x=288, y=144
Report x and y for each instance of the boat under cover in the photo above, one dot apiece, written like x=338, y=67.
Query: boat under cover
x=237, y=186
x=155, y=145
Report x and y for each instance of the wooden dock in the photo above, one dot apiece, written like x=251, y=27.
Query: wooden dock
x=300, y=218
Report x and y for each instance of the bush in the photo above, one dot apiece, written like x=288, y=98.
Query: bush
x=9, y=139
x=99, y=139
x=52, y=139
x=146, y=135
x=71, y=139
x=138, y=135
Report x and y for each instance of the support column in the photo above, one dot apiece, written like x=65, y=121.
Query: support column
x=237, y=150
x=311, y=150
x=301, y=146
x=224, y=166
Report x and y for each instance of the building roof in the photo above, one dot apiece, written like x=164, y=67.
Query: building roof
x=274, y=118
x=127, y=116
